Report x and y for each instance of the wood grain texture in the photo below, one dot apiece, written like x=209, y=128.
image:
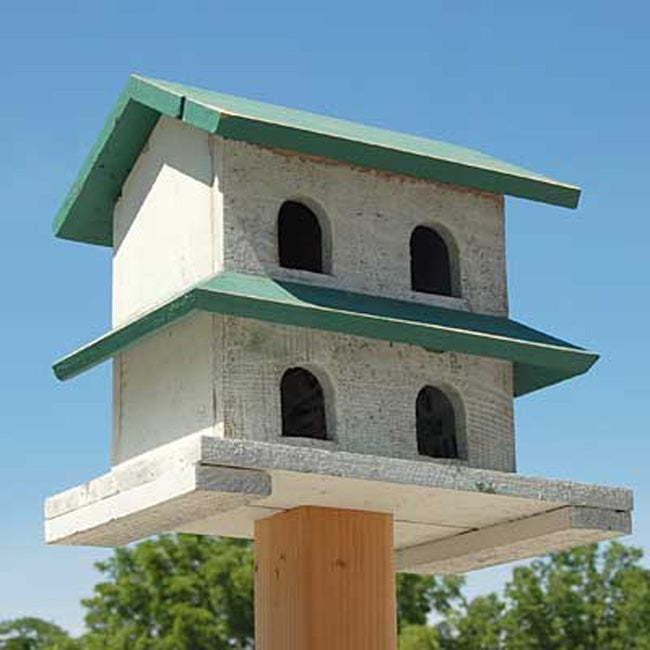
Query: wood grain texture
x=224, y=486
x=325, y=579
x=553, y=531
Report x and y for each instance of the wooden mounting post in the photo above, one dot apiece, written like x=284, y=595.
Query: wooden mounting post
x=325, y=580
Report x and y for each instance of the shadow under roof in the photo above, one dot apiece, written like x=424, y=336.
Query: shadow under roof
x=86, y=214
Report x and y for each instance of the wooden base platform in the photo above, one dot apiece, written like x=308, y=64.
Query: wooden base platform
x=446, y=519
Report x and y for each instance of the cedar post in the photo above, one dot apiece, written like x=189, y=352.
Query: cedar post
x=325, y=580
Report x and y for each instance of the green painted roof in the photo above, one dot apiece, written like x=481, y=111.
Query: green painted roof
x=539, y=360
x=86, y=214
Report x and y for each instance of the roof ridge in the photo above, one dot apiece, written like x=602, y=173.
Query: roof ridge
x=380, y=130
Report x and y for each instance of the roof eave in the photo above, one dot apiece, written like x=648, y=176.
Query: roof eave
x=400, y=162
x=86, y=214
x=537, y=364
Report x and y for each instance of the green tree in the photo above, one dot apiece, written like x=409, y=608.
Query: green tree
x=589, y=598
x=190, y=592
x=34, y=634
x=480, y=625
x=583, y=599
x=184, y=592
x=419, y=596
x=419, y=637
x=193, y=592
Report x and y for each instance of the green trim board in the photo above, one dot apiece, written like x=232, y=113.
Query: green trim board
x=539, y=359
x=86, y=214
x=87, y=211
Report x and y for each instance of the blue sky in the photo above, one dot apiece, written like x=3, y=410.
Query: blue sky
x=558, y=87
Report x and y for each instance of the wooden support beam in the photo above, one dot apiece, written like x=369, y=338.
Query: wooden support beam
x=325, y=579
x=514, y=540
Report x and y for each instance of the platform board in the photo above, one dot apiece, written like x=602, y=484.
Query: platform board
x=447, y=518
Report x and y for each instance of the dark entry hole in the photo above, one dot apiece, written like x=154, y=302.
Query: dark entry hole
x=303, y=405
x=436, y=424
x=430, y=263
x=300, y=238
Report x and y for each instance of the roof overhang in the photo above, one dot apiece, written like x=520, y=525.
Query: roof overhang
x=539, y=359
x=86, y=214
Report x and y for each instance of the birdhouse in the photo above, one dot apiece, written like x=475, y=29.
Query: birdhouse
x=311, y=312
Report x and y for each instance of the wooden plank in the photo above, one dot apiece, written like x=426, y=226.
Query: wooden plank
x=214, y=486
x=514, y=540
x=165, y=504
x=325, y=579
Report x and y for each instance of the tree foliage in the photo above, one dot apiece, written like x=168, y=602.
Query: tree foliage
x=182, y=592
x=196, y=592
x=34, y=634
x=584, y=599
x=589, y=598
x=419, y=637
x=187, y=592
x=480, y=625
x=419, y=596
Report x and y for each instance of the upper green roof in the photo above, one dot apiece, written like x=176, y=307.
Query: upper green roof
x=86, y=214
x=539, y=359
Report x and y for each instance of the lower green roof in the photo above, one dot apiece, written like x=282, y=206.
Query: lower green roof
x=539, y=359
x=87, y=212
